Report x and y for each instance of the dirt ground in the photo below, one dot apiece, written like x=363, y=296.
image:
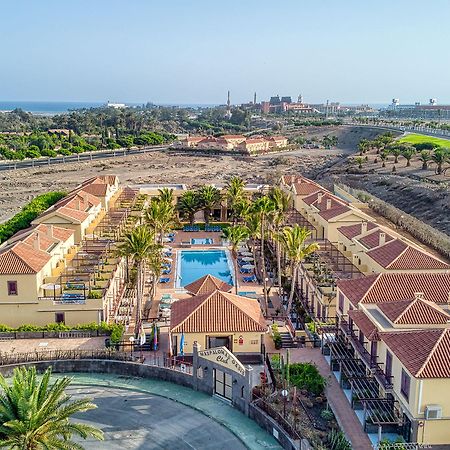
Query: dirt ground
x=19, y=187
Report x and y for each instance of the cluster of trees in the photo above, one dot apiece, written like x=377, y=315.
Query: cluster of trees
x=42, y=143
x=427, y=152
x=317, y=122
x=28, y=213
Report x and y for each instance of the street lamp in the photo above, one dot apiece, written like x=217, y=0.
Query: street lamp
x=284, y=394
x=266, y=295
x=131, y=339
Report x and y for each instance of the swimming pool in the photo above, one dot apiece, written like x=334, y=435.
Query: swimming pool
x=194, y=264
x=202, y=241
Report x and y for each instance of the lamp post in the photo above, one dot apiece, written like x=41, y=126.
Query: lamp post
x=284, y=394
x=131, y=339
x=266, y=295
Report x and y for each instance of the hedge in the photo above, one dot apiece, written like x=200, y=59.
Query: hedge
x=115, y=330
x=28, y=213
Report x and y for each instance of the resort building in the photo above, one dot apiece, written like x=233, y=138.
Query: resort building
x=249, y=146
x=218, y=319
x=394, y=339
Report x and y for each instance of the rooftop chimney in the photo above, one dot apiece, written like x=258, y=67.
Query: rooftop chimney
x=319, y=197
x=363, y=227
x=50, y=231
x=37, y=242
x=328, y=203
x=419, y=296
x=382, y=240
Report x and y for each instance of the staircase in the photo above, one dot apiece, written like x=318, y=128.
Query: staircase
x=287, y=341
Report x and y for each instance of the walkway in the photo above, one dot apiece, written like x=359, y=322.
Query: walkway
x=253, y=437
x=345, y=415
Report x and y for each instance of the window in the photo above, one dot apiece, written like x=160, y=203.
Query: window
x=59, y=317
x=341, y=302
x=406, y=384
x=12, y=287
x=388, y=370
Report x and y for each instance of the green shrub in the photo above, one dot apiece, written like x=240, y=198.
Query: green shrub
x=28, y=213
x=307, y=376
x=327, y=414
x=337, y=441
x=64, y=151
x=48, y=152
x=276, y=336
x=95, y=294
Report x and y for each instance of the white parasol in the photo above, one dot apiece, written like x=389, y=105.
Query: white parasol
x=248, y=266
x=246, y=253
x=247, y=258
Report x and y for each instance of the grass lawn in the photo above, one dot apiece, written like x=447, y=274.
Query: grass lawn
x=419, y=138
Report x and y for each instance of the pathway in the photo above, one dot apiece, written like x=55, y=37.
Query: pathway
x=344, y=413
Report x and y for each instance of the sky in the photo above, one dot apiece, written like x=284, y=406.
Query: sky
x=194, y=51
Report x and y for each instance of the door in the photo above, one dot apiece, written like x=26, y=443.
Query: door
x=223, y=384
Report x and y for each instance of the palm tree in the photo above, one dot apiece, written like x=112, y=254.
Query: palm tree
x=425, y=156
x=35, y=414
x=138, y=245
x=282, y=201
x=383, y=157
x=408, y=152
x=243, y=209
x=294, y=243
x=439, y=158
x=359, y=160
x=161, y=218
x=395, y=151
x=234, y=194
x=363, y=146
x=236, y=235
x=165, y=195
x=253, y=224
x=209, y=198
x=189, y=204
x=264, y=207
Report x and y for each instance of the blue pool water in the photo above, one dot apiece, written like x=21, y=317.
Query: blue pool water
x=200, y=241
x=193, y=265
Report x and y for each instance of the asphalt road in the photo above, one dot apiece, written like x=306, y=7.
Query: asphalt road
x=91, y=156
x=134, y=420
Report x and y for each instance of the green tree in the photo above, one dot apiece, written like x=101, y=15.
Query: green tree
x=138, y=245
x=235, y=195
x=282, y=202
x=188, y=205
x=35, y=414
x=209, y=198
x=165, y=195
x=383, y=157
x=440, y=157
x=395, y=151
x=161, y=218
x=425, y=157
x=264, y=208
x=408, y=152
x=236, y=235
x=294, y=241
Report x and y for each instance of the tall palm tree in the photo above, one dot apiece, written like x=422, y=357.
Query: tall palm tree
x=235, y=194
x=282, y=202
x=294, y=243
x=408, y=152
x=264, y=208
x=161, y=217
x=35, y=413
x=236, y=235
x=189, y=204
x=138, y=245
x=253, y=225
x=209, y=198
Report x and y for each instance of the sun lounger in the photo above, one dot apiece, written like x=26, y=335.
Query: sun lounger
x=250, y=279
x=242, y=270
x=166, y=296
x=164, y=280
x=166, y=272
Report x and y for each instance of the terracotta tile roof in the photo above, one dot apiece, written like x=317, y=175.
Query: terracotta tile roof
x=372, y=240
x=79, y=216
x=351, y=231
x=368, y=328
x=57, y=232
x=206, y=285
x=217, y=312
x=303, y=188
x=424, y=353
x=414, y=312
x=391, y=287
x=232, y=136
x=398, y=255
x=45, y=242
x=101, y=179
x=22, y=259
x=254, y=141
x=334, y=211
x=98, y=190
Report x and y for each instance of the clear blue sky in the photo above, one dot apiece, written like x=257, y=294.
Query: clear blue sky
x=193, y=51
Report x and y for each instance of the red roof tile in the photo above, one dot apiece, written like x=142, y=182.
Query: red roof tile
x=305, y=188
x=206, y=285
x=389, y=287
x=351, y=231
x=21, y=258
x=372, y=240
x=398, y=255
x=414, y=312
x=368, y=328
x=424, y=353
x=217, y=312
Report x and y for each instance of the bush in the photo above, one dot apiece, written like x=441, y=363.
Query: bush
x=64, y=151
x=47, y=152
x=276, y=336
x=95, y=294
x=327, y=414
x=32, y=152
x=337, y=441
x=307, y=376
x=28, y=213
x=77, y=149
